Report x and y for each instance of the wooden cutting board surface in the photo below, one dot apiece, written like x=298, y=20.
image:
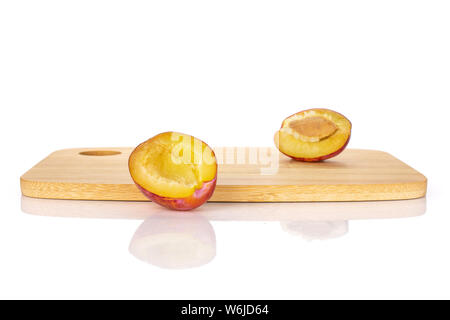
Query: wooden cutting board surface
x=245, y=175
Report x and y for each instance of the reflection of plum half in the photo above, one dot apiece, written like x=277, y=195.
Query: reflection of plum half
x=316, y=230
x=174, y=241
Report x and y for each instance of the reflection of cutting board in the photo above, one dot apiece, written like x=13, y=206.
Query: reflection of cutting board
x=245, y=175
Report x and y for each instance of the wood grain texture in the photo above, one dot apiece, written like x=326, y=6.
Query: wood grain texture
x=245, y=175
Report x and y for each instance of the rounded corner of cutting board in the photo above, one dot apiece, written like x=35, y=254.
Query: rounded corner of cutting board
x=25, y=187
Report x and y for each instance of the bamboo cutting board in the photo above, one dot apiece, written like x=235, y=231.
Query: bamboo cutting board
x=244, y=175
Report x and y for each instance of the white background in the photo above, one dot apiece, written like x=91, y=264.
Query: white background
x=114, y=73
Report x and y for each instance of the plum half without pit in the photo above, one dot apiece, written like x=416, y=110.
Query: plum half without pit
x=313, y=135
x=174, y=170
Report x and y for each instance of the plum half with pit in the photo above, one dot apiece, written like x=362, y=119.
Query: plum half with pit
x=313, y=135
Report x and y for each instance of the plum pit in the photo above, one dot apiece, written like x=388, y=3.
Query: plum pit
x=313, y=129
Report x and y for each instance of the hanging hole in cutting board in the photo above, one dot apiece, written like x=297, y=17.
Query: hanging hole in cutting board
x=100, y=153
